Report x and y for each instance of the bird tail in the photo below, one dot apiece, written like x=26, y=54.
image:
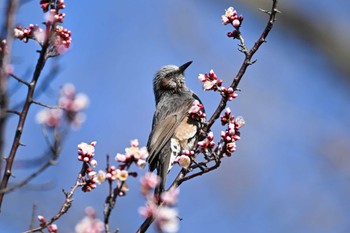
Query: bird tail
x=162, y=172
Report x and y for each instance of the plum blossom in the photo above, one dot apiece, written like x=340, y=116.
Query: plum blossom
x=73, y=103
x=90, y=223
x=197, y=111
x=207, y=143
x=184, y=161
x=101, y=177
x=232, y=17
x=210, y=81
x=52, y=228
x=148, y=210
x=167, y=219
x=86, y=151
x=50, y=118
x=133, y=154
x=239, y=122
x=170, y=197
x=231, y=134
x=149, y=181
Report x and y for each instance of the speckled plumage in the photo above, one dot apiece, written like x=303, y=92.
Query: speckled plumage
x=172, y=129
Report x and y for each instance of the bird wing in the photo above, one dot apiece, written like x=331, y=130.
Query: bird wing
x=164, y=130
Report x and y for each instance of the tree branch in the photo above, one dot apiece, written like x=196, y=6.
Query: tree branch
x=66, y=204
x=183, y=174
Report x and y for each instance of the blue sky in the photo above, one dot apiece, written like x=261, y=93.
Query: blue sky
x=290, y=171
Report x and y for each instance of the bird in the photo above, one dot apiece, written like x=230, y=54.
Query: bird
x=173, y=130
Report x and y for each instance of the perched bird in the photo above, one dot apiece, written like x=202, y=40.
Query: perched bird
x=173, y=130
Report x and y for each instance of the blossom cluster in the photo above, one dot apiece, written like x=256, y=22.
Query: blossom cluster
x=32, y=32
x=86, y=154
x=165, y=215
x=63, y=39
x=72, y=105
x=90, y=223
x=211, y=82
x=232, y=18
x=133, y=154
x=196, y=112
x=59, y=38
x=45, y=4
x=231, y=134
x=207, y=143
x=51, y=228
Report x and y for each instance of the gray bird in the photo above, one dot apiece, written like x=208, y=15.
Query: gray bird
x=172, y=130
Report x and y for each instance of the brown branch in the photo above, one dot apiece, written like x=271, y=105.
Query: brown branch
x=112, y=199
x=5, y=59
x=45, y=105
x=247, y=61
x=24, y=112
x=182, y=176
x=66, y=204
x=19, y=79
x=54, y=149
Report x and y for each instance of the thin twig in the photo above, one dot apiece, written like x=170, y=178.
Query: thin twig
x=33, y=218
x=112, y=199
x=66, y=204
x=19, y=79
x=23, y=116
x=6, y=40
x=45, y=105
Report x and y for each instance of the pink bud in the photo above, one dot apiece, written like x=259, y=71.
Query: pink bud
x=236, y=23
x=41, y=219
x=202, y=77
x=93, y=143
x=236, y=137
x=223, y=134
x=210, y=136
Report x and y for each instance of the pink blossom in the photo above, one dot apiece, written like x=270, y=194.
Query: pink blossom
x=49, y=117
x=208, y=85
x=202, y=77
x=141, y=163
x=90, y=223
x=225, y=20
x=134, y=143
x=86, y=151
x=170, y=197
x=197, y=111
x=167, y=219
x=148, y=210
x=120, y=157
x=73, y=103
x=236, y=23
x=149, y=181
x=52, y=228
x=232, y=17
x=184, y=161
x=210, y=136
x=93, y=163
x=41, y=219
x=123, y=175
x=239, y=122
x=101, y=177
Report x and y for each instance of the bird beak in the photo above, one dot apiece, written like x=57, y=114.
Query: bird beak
x=184, y=66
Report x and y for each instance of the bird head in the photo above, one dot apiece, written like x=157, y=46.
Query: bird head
x=169, y=78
